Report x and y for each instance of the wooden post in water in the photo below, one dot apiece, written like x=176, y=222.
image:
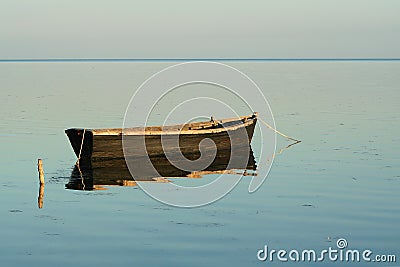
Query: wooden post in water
x=40, y=170
x=41, y=180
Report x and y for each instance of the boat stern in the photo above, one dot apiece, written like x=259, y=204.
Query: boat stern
x=82, y=143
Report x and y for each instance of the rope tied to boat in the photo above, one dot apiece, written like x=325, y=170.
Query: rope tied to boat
x=81, y=175
x=80, y=150
x=278, y=132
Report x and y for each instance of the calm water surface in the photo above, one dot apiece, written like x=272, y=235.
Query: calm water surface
x=342, y=181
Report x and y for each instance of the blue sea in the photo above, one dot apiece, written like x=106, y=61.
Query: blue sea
x=341, y=183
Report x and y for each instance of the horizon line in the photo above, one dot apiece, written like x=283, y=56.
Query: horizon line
x=191, y=59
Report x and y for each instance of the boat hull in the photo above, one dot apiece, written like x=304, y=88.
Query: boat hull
x=111, y=144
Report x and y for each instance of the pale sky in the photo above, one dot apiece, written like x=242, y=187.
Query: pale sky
x=199, y=29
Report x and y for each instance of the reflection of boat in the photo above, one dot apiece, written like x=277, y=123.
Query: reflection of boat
x=116, y=172
x=110, y=144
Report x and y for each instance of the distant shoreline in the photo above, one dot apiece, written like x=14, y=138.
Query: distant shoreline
x=188, y=59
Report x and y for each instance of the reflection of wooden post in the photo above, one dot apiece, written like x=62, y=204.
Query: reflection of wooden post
x=41, y=196
x=40, y=170
x=41, y=179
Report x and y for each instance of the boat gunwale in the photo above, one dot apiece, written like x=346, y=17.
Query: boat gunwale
x=177, y=129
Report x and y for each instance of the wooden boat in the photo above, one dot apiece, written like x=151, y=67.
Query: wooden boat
x=95, y=146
